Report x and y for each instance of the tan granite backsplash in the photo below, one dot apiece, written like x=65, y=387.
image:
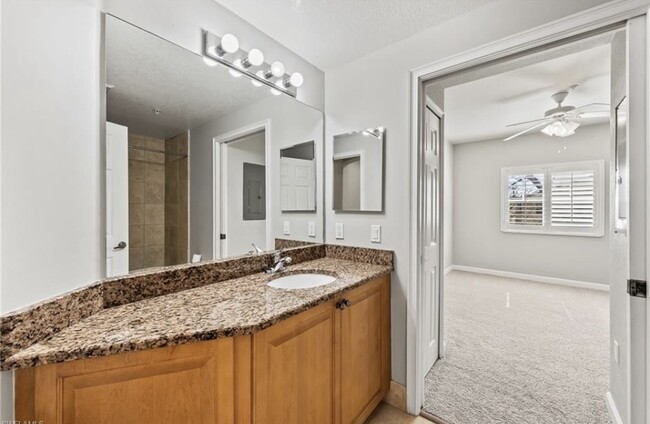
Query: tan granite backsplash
x=23, y=328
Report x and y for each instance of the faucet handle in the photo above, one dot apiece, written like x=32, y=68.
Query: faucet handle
x=278, y=255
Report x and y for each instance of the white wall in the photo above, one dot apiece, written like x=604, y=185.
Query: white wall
x=240, y=234
x=50, y=181
x=291, y=123
x=373, y=90
x=478, y=239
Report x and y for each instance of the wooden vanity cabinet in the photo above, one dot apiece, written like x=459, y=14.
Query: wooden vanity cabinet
x=329, y=364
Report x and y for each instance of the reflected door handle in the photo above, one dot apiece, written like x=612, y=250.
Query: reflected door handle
x=121, y=245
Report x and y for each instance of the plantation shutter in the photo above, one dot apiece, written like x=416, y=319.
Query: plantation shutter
x=573, y=198
x=525, y=202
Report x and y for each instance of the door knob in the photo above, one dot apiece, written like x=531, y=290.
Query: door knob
x=121, y=245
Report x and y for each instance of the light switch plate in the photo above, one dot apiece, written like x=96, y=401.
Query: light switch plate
x=311, y=229
x=286, y=228
x=339, y=231
x=375, y=233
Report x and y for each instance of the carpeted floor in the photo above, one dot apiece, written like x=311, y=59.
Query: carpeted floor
x=521, y=352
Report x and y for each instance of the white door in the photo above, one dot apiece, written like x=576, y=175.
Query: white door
x=117, y=199
x=297, y=184
x=430, y=263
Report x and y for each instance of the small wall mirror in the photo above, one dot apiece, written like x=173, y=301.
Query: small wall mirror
x=358, y=170
x=298, y=178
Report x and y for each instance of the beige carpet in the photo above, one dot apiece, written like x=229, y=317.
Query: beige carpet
x=521, y=352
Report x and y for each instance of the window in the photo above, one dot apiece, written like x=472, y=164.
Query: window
x=562, y=199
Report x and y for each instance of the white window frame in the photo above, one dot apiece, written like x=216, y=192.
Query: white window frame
x=598, y=230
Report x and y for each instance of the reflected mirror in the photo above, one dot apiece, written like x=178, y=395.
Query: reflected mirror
x=298, y=177
x=195, y=156
x=357, y=171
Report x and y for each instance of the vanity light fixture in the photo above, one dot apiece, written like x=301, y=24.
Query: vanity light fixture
x=255, y=82
x=294, y=80
x=225, y=50
x=276, y=70
x=229, y=44
x=209, y=62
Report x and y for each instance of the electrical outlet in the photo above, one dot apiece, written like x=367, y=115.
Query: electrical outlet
x=339, y=231
x=286, y=228
x=375, y=233
x=311, y=229
x=617, y=352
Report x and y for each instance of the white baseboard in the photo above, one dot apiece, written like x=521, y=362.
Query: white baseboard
x=530, y=277
x=612, y=409
x=449, y=269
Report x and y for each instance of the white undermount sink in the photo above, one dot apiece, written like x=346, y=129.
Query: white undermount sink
x=301, y=281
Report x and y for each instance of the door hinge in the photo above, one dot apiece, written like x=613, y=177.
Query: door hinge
x=637, y=288
x=222, y=236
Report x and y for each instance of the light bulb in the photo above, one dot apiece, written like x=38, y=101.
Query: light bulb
x=255, y=82
x=277, y=69
x=238, y=64
x=255, y=57
x=234, y=73
x=276, y=92
x=209, y=62
x=229, y=43
x=296, y=79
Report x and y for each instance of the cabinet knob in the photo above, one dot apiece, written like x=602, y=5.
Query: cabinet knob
x=344, y=303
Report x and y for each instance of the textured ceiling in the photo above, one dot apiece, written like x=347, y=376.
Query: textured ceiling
x=510, y=93
x=331, y=32
x=151, y=73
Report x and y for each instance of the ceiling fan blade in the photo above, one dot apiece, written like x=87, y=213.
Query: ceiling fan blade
x=595, y=114
x=590, y=105
x=530, y=122
x=526, y=130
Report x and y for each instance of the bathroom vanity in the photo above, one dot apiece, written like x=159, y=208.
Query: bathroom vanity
x=237, y=350
x=212, y=162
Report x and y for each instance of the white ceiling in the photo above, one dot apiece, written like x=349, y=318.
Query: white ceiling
x=149, y=72
x=331, y=32
x=482, y=108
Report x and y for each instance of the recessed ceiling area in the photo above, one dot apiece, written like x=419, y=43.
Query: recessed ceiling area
x=149, y=73
x=480, y=104
x=331, y=32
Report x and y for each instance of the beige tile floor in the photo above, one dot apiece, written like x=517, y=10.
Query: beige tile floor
x=385, y=414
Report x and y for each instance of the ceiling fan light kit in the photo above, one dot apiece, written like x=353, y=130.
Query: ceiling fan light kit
x=561, y=121
x=561, y=128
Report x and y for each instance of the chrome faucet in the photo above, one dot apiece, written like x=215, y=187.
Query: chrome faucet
x=279, y=262
x=256, y=250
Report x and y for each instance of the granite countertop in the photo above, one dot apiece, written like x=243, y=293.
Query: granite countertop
x=229, y=308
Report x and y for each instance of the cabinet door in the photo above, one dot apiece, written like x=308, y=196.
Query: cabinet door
x=193, y=383
x=294, y=375
x=365, y=350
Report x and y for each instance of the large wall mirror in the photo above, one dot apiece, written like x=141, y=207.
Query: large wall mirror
x=201, y=162
x=358, y=171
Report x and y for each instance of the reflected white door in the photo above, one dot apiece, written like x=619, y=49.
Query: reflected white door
x=297, y=184
x=117, y=199
x=430, y=263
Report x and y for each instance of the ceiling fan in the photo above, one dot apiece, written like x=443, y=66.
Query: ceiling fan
x=562, y=121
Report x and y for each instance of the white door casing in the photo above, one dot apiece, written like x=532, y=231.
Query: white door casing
x=430, y=233
x=217, y=183
x=297, y=184
x=117, y=199
x=592, y=19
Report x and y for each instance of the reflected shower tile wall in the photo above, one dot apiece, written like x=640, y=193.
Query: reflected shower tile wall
x=146, y=203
